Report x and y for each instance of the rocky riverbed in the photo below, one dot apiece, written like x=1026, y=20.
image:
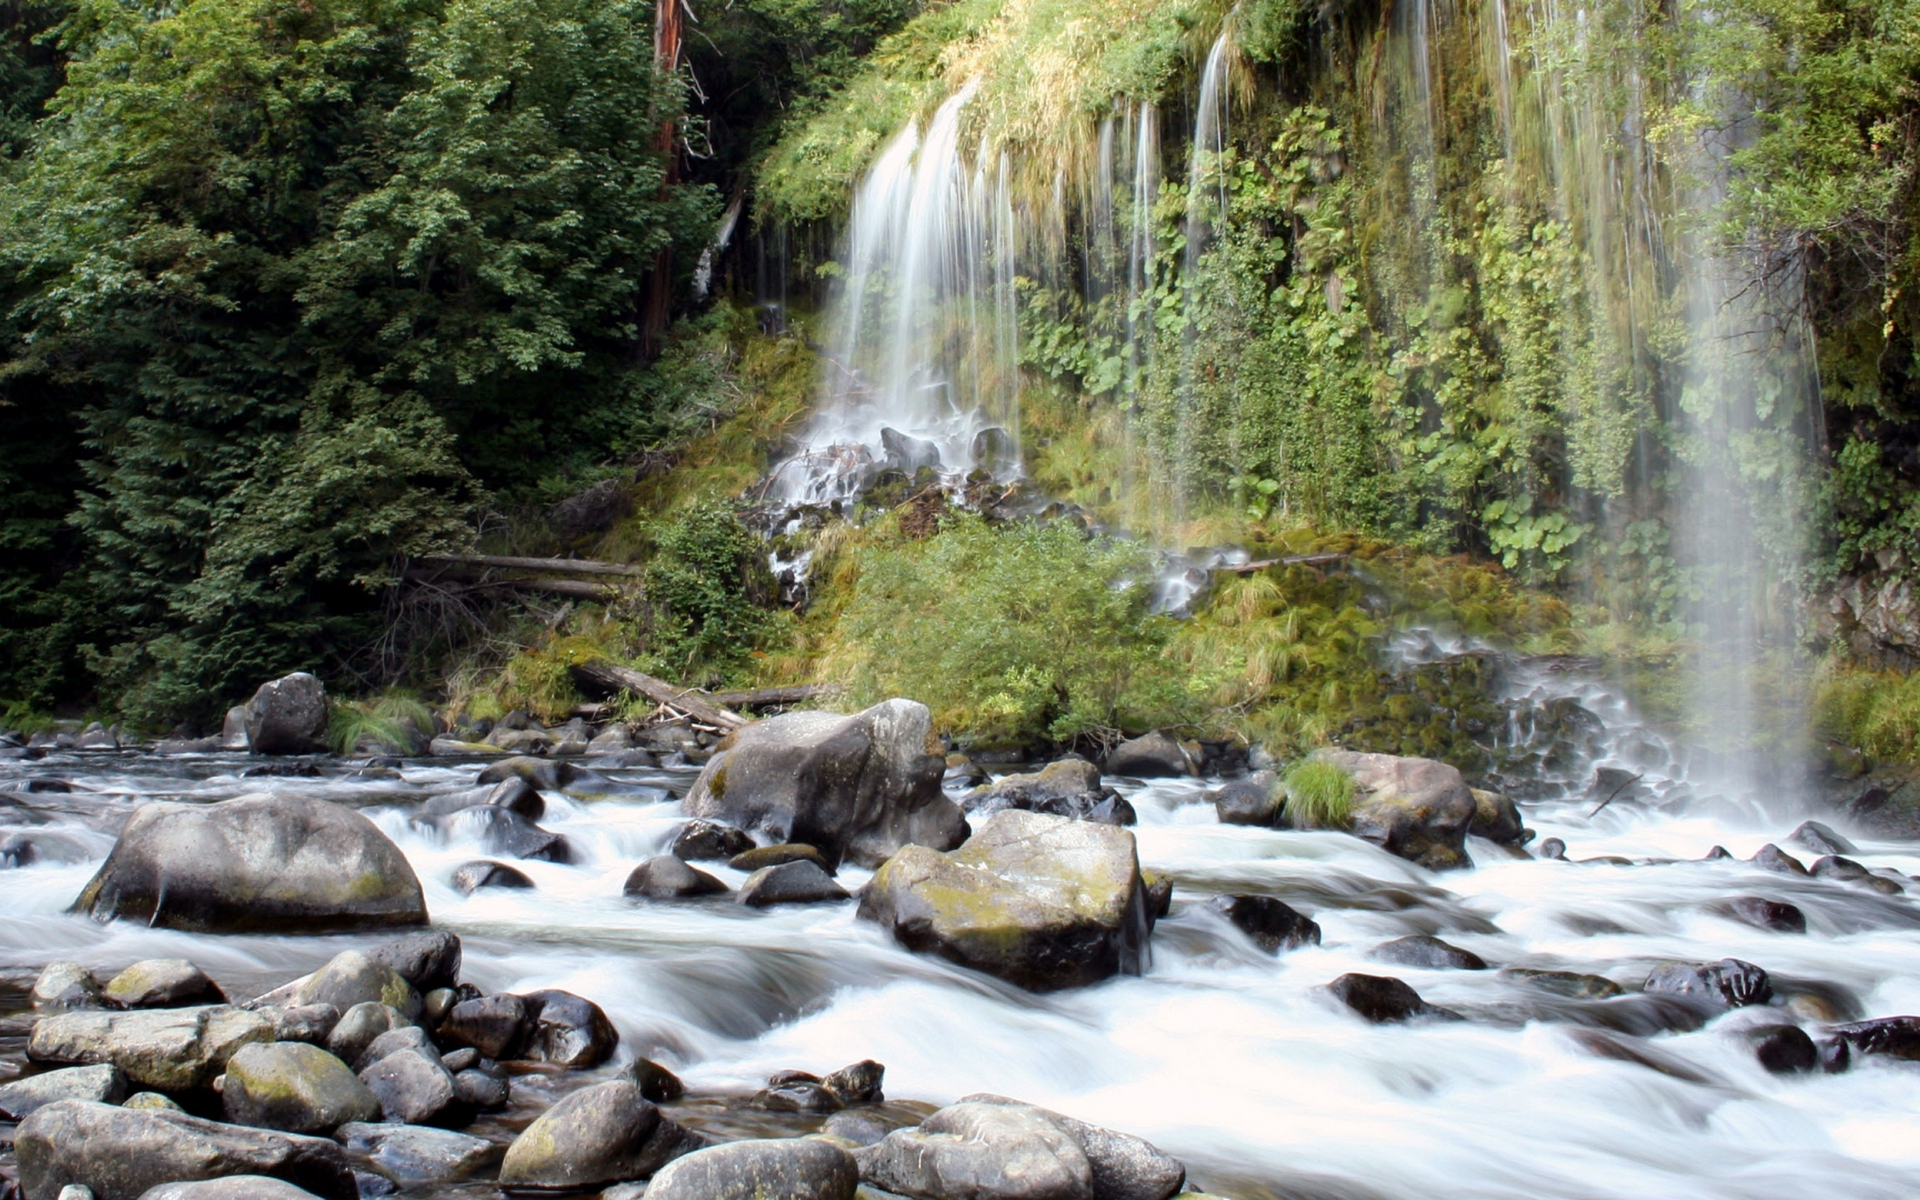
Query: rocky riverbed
x=1679, y=994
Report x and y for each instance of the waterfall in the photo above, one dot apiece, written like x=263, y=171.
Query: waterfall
x=922, y=372
x=1141, y=244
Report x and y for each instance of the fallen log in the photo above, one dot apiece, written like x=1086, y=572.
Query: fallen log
x=562, y=566
x=769, y=696
x=557, y=587
x=611, y=677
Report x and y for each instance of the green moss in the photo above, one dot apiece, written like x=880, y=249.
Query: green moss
x=1874, y=712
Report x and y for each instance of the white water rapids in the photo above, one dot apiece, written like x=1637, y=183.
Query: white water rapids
x=1233, y=1059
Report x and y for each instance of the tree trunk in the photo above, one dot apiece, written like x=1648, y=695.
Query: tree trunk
x=611, y=677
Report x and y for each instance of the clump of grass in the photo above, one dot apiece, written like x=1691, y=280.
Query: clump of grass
x=1319, y=795
x=392, y=721
x=1874, y=712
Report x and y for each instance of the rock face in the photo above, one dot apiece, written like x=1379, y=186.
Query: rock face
x=295, y=1088
x=771, y=1169
x=857, y=787
x=122, y=1153
x=288, y=716
x=604, y=1134
x=264, y=863
x=1417, y=808
x=169, y=1049
x=1043, y=902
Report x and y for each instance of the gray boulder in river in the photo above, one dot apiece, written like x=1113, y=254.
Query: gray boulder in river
x=121, y=1153
x=760, y=1169
x=261, y=863
x=992, y=1147
x=1041, y=901
x=608, y=1133
x=288, y=716
x=857, y=787
x=294, y=1087
x=1417, y=808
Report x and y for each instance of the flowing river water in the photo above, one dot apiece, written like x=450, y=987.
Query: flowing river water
x=1233, y=1059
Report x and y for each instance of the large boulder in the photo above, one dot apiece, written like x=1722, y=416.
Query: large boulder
x=1041, y=901
x=168, y=1049
x=857, y=787
x=121, y=1153
x=1150, y=755
x=766, y=1169
x=261, y=863
x=288, y=716
x=293, y=1087
x=1417, y=808
x=608, y=1133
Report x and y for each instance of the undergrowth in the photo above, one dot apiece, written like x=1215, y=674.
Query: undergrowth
x=1319, y=795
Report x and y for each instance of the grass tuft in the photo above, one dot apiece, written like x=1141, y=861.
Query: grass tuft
x=1319, y=795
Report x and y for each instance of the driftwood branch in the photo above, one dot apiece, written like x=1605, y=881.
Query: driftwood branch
x=1298, y=560
x=557, y=587
x=769, y=696
x=561, y=566
x=611, y=677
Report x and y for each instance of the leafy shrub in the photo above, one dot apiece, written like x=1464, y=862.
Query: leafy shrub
x=703, y=585
x=1014, y=635
x=1319, y=795
x=1875, y=712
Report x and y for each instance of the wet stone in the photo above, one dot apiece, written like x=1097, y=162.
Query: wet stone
x=774, y=856
x=359, y=1026
x=65, y=985
x=1772, y=858
x=162, y=983
x=494, y=1025
x=393, y=1041
x=409, y=1154
x=1892, y=1037
x=1271, y=924
x=103, y=1083
x=1729, y=983
x=427, y=960
x=1762, y=913
x=709, y=841
x=1571, y=984
x=1783, y=1049
x=1420, y=950
x=762, y=1169
x=1382, y=999
x=294, y=1087
x=655, y=1082
x=1821, y=839
x=568, y=1030
x=483, y=873
x=666, y=877
x=857, y=1083
x=607, y=1133
x=798, y=1096
x=414, y=1089
x=799, y=882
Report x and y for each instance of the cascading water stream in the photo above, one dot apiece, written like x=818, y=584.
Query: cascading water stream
x=922, y=370
x=1231, y=1058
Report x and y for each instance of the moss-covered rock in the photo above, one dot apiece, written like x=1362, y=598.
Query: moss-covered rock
x=1041, y=901
x=294, y=1087
x=604, y=1134
x=1416, y=808
x=169, y=1050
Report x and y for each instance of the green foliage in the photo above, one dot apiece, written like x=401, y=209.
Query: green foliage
x=704, y=585
x=1874, y=712
x=1015, y=635
x=304, y=277
x=1319, y=795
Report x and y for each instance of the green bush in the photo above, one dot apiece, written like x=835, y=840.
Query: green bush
x=1319, y=795
x=1874, y=712
x=1015, y=635
x=703, y=588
